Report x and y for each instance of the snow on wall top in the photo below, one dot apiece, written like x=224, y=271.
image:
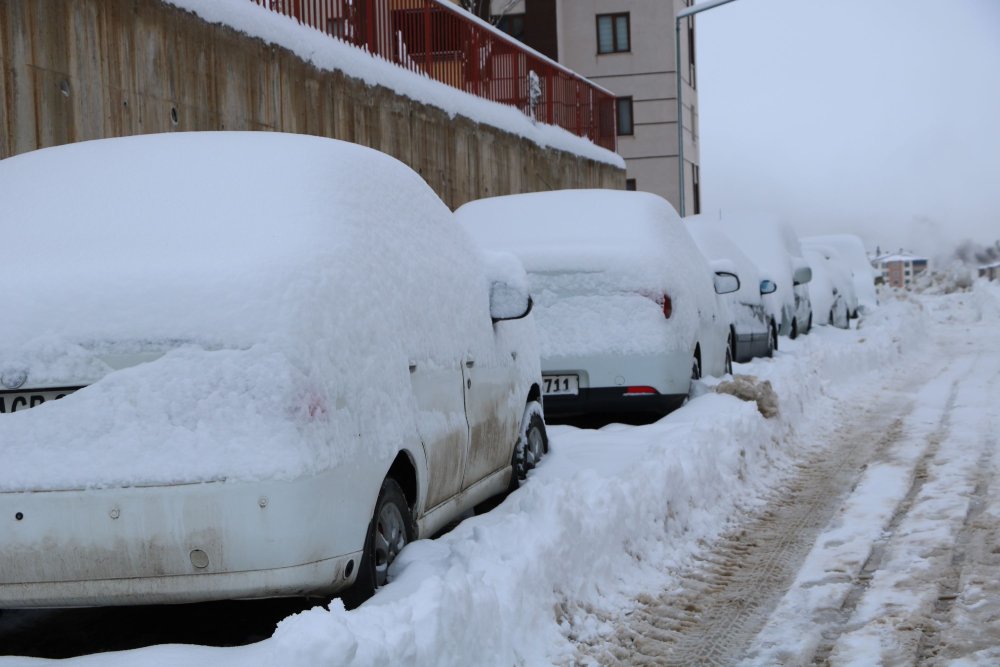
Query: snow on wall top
x=288, y=279
x=331, y=54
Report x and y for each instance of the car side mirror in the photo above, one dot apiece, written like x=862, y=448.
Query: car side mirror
x=508, y=302
x=726, y=283
x=768, y=287
x=802, y=275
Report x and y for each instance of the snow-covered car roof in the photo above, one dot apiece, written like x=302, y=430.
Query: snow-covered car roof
x=287, y=278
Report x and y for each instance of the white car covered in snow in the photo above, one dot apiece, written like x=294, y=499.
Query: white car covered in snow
x=754, y=331
x=240, y=365
x=850, y=250
x=776, y=251
x=624, y=301
x=831, y=290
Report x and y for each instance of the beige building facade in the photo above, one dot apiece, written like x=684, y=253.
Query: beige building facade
x=626, y=46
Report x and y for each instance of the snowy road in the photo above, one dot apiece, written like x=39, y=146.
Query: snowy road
x=882, y=549
x=859, y=526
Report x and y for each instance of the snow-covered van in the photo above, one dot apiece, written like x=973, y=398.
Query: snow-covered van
x=624, y=301
x=240, y=365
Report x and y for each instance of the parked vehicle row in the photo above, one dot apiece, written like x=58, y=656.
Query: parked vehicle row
x=216, y=386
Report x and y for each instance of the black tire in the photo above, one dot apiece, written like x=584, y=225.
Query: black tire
x=529, y=449
x=695, y=374
x=390, y=530
x=794, y=333
x=772, y=343
x=831, y=320
x=809, y=324
x=729, y=361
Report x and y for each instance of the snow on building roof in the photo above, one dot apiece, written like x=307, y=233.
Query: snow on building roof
x=331, y=54
x=900, y=258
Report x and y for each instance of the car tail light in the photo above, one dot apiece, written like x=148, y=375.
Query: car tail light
x=668, y=306
x=640, y=391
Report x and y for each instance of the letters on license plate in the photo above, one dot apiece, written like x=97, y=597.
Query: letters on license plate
x=15, y=401
x=556, y=385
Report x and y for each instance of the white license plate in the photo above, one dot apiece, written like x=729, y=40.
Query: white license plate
x=560, y=385
x=15, y=401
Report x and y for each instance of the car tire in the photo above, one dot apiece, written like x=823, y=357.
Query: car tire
x=831, y=321
x=531, y=446
x=794, y=332
x=390, y=530
x=772, y=343
x=809, y=324
x=729, y=361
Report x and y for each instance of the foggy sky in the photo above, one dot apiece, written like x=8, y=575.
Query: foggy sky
x=877, y=117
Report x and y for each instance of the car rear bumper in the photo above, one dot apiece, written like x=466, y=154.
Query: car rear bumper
x=608, y=401
x=181, y=543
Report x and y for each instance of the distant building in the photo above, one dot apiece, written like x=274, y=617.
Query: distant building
x=990, y=271
x=626, y=46
x=900, y=269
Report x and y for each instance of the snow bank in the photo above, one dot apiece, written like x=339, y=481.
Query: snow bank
x=599, y=264
x=609, y=515
x=327, y=53
x=285, y=309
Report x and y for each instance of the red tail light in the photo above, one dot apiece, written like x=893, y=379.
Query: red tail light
x=668, y=306
x=640, y=391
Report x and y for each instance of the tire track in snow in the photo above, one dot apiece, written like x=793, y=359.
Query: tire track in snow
x=725, y=599
x=862, y=580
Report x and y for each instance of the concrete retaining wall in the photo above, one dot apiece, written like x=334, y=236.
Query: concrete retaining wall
x=84, y=69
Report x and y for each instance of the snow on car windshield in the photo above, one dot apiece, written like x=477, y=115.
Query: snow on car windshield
x=599, y=265
x=296, y=254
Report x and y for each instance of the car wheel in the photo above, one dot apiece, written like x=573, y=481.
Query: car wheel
x=729, y=360
x=772, y=343
x=794, y=333
x=390, y=530
x=531, y=447
x=831, y=320
x=809, y=324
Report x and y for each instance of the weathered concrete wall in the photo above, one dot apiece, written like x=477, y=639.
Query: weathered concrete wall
x=84, y=69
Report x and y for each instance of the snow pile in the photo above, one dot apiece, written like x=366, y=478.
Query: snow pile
x=285, y=310
x=331, y=54
x=609, y=515
x=747, y=388
x=599, y=265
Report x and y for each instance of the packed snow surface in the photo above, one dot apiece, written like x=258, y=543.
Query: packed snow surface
x=599, y=265
x=328, y=53
x=280, y=313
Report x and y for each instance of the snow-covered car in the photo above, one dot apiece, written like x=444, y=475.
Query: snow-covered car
x=851, y=251
x=243, y=365
x=828, y=289
x=754, y=332
x=776, y=251
x=624, y=301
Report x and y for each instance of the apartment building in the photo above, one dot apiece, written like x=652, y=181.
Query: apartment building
x=900, y=269
x=626, y=46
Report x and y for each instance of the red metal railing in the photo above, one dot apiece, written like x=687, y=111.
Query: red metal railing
x=447, y=44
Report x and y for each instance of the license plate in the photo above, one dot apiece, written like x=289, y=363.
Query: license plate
x=560, y=385
x=15, y=401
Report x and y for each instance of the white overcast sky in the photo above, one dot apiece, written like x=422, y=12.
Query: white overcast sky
x=878, y=117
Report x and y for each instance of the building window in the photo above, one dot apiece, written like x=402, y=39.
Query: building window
x=691, y=52
x=624, y=112
x=630, y=184
x=696, y=187
x=613, y=33
x=512, y=24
